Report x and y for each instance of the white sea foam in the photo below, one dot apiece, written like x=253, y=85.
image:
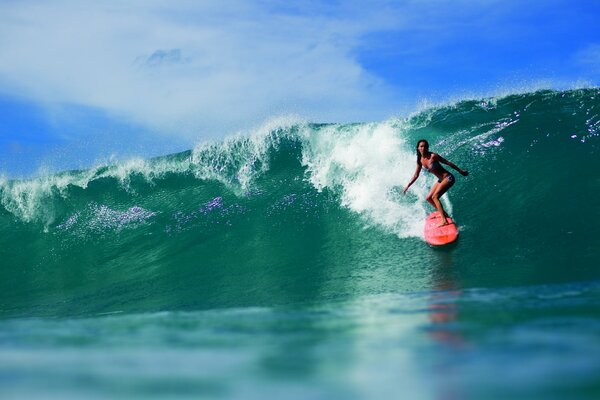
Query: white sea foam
x=370, y=164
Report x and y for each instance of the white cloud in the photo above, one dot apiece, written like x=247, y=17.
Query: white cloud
x=192, y=67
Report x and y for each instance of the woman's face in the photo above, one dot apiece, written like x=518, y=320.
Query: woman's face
x=422, y=147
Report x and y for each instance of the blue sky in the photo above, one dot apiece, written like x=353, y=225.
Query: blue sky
x=81, y=82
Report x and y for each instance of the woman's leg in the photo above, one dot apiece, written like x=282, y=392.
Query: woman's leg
x=429, y=197
x=441, y=188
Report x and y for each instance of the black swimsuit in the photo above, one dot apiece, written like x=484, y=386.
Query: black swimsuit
x=435, y=164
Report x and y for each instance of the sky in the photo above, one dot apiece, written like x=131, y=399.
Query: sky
x=83, y=82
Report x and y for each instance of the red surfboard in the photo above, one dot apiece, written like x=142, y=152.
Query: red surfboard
x=439, y=235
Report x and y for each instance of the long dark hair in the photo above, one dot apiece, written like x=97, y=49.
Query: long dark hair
x=426, y=149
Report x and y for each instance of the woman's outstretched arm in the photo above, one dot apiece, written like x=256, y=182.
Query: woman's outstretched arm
x=414, y=178
x=444, y=161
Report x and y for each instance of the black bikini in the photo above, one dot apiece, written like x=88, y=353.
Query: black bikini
x=435, y=164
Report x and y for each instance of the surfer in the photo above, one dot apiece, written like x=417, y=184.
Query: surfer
x=432, y=162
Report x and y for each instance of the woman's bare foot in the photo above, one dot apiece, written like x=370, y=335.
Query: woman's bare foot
x=444, y=223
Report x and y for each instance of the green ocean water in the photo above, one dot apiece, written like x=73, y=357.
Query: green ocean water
x=286, y=263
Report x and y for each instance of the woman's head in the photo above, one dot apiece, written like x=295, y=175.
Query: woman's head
x=422, y=149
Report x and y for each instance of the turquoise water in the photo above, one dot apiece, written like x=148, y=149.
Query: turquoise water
x=287, y=263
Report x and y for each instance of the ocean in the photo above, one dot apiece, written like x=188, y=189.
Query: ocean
x=286, y=263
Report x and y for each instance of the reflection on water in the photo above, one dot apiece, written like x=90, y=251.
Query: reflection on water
x=443, y=311
x=443, y=306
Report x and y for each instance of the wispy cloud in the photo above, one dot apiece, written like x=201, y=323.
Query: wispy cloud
x=191, y=67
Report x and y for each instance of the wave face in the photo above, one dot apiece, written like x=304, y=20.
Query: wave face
x=300, y=213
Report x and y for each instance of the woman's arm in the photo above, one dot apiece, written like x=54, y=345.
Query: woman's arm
x=444, y=161
x=414, y=178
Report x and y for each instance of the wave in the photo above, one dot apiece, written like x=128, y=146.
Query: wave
x=295, y=196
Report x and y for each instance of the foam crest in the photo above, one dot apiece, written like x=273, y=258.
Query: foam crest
x=32, y=199
x=239, y=159
x=26, y=198
x=149, y=170
x=235, y=161
x=369, y=164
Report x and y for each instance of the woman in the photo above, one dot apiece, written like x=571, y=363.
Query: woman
x=431, y=162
